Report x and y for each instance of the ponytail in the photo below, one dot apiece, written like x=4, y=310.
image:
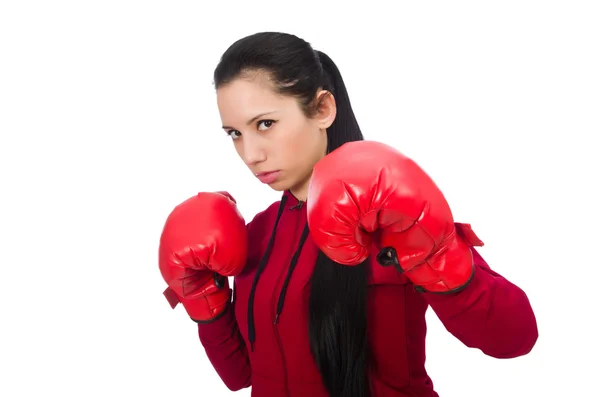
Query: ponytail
x=345, y=127
x=338, y=296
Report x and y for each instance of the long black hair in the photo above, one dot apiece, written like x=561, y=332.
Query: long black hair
x=338, y=294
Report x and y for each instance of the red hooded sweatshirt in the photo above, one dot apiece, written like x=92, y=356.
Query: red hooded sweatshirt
x=490, y=314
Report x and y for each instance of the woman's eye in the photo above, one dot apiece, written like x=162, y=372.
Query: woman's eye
x=266, y=124
x=234, y=134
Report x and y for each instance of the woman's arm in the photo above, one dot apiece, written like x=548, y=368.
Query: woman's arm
x=226, y=350
x=490, y=313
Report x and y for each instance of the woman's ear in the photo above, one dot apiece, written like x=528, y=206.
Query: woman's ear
x=326, y=109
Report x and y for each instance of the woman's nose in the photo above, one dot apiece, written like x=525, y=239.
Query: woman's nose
x=253, y=151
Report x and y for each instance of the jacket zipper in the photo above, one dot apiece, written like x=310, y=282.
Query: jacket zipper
x=285, y=374
x=274, y=300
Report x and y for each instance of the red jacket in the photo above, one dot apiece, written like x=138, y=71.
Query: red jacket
x=490, y=314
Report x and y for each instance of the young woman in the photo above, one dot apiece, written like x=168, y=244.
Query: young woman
x=331, y=282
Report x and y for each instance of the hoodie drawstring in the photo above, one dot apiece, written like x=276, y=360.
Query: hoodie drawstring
x=261, y=267
x=263, y=264
x=290, y=271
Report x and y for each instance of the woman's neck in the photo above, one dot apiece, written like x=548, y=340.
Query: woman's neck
x=300, y=192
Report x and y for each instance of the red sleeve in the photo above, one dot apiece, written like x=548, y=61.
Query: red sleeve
x=222, y=340
x=226, y=350
x=490, y=314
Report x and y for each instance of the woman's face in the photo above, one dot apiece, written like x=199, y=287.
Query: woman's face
x=278, y=143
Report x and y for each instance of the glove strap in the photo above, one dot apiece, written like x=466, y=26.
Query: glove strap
x=172, y=297
x=466, y=233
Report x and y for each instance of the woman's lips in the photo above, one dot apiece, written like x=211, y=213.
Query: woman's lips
x=268, y=177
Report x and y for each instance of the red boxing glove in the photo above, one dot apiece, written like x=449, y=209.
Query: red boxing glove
x=367, y=192
x=204, y=240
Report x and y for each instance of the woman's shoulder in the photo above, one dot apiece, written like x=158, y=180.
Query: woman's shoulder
x=262, y=223
x=260, y=229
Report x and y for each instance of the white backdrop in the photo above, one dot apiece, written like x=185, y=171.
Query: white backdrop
x=108, y=119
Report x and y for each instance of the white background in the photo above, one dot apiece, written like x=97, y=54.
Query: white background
x=108, y=119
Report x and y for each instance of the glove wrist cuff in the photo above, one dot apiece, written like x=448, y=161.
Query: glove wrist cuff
x=215, y=317
x=204, y=309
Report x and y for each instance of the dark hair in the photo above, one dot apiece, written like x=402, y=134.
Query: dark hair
x=338, y=295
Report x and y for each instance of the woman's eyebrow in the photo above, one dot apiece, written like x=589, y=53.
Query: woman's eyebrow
x=251, y=120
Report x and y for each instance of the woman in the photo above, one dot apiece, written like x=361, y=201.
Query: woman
x=335, y=309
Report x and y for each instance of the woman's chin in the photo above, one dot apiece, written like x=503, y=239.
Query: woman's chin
x=279, y=186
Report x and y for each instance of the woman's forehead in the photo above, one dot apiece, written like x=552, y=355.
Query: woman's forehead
x=243, y=99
